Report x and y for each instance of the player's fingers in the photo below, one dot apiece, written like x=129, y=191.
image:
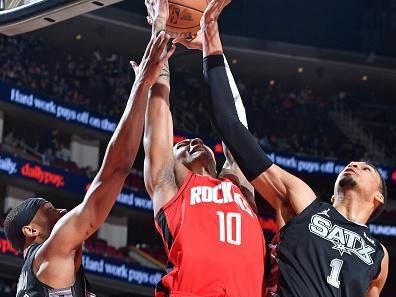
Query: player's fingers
x=211, y=10
x=168, y=54
x=181, y=41
x=162, y=46
x=134, y=65
x=225, y=3
x=154, y=45
x=149, y=20
x=157, y=42
x=149, y=47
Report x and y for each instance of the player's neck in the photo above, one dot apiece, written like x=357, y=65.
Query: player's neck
x=201, y=171
x=351, y=206
x=29, y=243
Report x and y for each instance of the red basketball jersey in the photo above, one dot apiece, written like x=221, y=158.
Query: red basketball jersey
x=213, y=240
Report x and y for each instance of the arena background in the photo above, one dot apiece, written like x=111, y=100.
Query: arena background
x=317, y=79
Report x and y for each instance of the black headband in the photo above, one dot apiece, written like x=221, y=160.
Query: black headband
x=23, y=215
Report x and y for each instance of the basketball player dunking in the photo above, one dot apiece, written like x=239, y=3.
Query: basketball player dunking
x=211, y=234
x=50, y=238
x=323, y=249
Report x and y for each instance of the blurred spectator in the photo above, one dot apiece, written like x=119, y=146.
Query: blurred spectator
x=63, y=153
x=48, y=157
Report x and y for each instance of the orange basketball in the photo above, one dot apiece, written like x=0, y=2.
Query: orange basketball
x=184, y=17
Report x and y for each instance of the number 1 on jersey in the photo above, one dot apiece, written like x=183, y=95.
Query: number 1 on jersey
x=332, y=279
x=230, y=227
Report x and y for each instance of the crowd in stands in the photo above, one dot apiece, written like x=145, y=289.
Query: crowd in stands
x=128, y=253
x=50, y=147
x=95, y=82
x=378, y=116
x=283, y=118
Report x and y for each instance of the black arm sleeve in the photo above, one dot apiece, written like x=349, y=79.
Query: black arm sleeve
x=223, y=114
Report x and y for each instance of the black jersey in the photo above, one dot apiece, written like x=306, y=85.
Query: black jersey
x=320, y=253
x=30, y=286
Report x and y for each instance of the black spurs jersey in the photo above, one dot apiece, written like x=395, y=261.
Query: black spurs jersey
x=30, y=286
x=320, y=253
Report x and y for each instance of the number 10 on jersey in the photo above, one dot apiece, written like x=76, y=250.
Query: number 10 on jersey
x=230, y=227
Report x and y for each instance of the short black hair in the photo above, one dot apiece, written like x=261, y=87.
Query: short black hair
x=18, y=217
x=384, y=191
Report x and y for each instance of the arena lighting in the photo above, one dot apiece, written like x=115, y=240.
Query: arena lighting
x=364, y=78
x=42, y=13
x=78, y=37
x=300, y=70
x=272, y=82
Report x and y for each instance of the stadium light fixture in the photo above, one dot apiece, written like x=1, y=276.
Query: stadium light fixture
x=37, y=14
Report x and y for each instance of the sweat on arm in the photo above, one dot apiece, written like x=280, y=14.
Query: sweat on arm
x=223, y=114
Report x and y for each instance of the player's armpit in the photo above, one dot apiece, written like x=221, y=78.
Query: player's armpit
x=377, y=284
x=277, y=184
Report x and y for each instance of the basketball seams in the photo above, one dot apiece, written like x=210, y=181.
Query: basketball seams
x=186, y=6
x=182, y=28
x=185, y=15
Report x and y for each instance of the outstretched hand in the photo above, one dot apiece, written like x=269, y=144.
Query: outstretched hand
x=210, y=15
x=153, y=61
x=213, y=11
x=195, y=42
x=211, y=43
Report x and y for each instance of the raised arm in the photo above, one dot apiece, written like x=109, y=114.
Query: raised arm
x=230, y=167
x=159, y=176
x=77, y=225
x=272, y=182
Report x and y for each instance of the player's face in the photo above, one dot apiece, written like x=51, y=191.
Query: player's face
x=194, y=153
x=47, y=216
x=359, y=175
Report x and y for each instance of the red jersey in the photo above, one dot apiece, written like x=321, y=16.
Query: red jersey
x=213, y=240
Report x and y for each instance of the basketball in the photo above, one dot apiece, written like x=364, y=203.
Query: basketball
x=184, y=17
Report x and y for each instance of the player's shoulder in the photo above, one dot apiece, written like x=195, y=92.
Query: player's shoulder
x=384, y=249
x=228, y=174
x=315, y=206
x=385, y=257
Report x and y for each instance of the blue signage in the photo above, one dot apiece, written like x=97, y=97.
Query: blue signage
x=382, y=230
x=33, y=101
x=53, y=108
x=103, y=266
x=314, y=165
x=64, y=180
x=121, y=270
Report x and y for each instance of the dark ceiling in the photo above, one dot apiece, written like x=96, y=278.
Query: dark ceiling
x=115, y=31
x=356, y=25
